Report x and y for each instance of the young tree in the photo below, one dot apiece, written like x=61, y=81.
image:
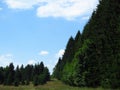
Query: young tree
x=10, y=76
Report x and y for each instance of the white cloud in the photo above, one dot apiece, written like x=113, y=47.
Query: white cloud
x=85, y=17
x=43, y=53
x=6, y=59
x=31, y=62
x=60, y=53
x=68, y=9
x=21, y=4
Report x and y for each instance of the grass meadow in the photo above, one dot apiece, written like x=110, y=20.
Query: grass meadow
x=51, y=85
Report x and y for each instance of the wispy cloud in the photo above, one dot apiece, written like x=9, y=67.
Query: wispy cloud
x=85, y=17
x=60, y=53
x=67, y=9
x=21, y=4
x=31, y=62
x=5, y=59
x=43, y=53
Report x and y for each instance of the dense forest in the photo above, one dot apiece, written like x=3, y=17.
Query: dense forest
x=38, y=74
x=92, y=58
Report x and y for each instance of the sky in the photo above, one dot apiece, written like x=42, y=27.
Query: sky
x=32, y=31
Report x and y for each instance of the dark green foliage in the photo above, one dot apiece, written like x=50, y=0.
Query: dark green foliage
x=1, y=75
x=36, y=80
x=58, y=69
x=38, y=74
x=42, y=78
x=22, y=82
x=41, y=68
x=28, y=73
x=41, y=73
x=93, y=58
x=46, y=73
x=78, y=41
x=17, y=76
x=9, y=75
x=27, y=82
x=16, y=83
x=22, y=75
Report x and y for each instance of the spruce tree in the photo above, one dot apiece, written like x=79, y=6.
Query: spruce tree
x=1, y=75
x=17, y=76
x=10, y=76
x=58, y=69
x=94, y=59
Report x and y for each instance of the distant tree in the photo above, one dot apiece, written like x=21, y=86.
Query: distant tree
x=22, y=77
x=36, y=80
x=17, y=76
x=10, y=77
x=58, y=69
x=38, y=74
x=46, y=74
x=16, y=83
x=1, y=75
x=28, y=73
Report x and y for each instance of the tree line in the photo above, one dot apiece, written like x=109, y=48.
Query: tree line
x=92, y=58
x=37, y=74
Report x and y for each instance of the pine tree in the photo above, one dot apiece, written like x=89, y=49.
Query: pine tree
x=93, y=59
x=102, y=30
x=69, y=51
x=41, y=67
x=1, y=75
x=36, y=80
x=22, y=77
x=10, y=76
x=17, y=76
x=58, y=69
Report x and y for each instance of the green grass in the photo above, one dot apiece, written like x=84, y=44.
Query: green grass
x=51, y=85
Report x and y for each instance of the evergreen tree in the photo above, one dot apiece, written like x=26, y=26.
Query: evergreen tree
x=1, y=75
x=46, y=74
x=10, y=76
x=78, y=41
x=69, y=51
x=41, y=68
x=58, y=69
x=38, y=74
x=22, y=77
x=92, y=59
x=17, y=76
x=28, y=73
x=102, y=30
x=36, y=80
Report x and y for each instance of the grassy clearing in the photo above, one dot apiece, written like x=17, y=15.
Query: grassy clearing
x=51, y=85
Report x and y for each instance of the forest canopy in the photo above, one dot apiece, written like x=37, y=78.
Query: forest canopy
x=92, y=58
x=38, y=74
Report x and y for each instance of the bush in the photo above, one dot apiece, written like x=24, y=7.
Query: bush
x=16, y=83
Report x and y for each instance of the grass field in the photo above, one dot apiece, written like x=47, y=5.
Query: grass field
x=51, y=85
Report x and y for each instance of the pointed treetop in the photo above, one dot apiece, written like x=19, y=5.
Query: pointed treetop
x=78, y=35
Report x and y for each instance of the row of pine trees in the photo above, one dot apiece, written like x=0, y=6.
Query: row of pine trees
x=92, y=59
x=37, y=74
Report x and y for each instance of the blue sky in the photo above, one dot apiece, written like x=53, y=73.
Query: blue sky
x=32, y=31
